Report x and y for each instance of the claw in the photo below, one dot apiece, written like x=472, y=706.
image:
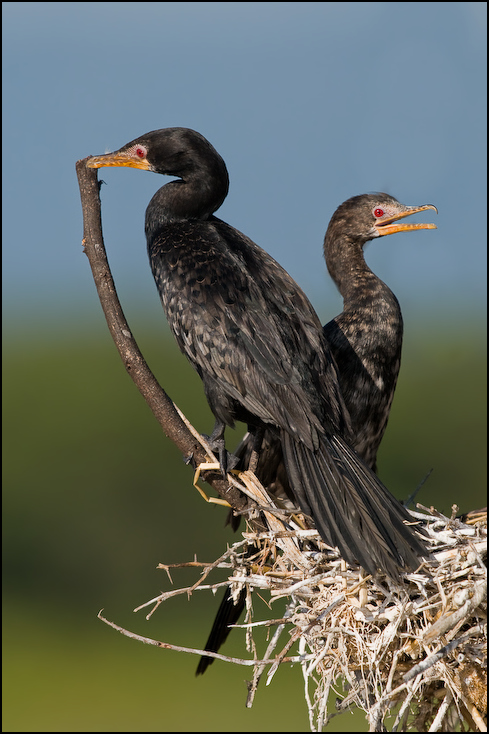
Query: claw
x=212, y=500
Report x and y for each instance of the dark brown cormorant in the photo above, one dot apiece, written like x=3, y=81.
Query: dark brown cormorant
x=366, y=341
x=366, y=338
x=258, y=345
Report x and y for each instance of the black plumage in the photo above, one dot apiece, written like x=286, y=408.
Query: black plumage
x=257, y=343
x=366, y=342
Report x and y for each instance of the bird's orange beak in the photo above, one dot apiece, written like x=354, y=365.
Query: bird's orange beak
x=388, y=226
x=118, y=159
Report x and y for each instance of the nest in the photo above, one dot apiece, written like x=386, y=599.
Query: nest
x=412, y=657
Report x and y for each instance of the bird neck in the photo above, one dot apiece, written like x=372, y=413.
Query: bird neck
x=358, y=285
x=197, y=196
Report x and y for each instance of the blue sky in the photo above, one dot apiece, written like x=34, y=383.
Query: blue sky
x=308, y=103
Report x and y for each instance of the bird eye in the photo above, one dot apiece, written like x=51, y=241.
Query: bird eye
x=378, y=213
x=140, y=151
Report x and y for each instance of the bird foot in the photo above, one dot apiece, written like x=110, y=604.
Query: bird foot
x=227, y=461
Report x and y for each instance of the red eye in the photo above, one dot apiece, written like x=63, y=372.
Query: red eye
x=140, y=152
x=378, y=213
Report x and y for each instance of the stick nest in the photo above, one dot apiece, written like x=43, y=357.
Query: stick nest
x=413, y=657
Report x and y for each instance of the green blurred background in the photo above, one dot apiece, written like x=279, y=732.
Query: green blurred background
x=95, y=496
x=309, y=103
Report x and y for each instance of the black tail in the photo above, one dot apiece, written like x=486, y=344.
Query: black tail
x=351, y=507
x=228, y=613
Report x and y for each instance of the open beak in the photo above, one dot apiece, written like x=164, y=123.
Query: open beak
x=118, y=159
x=388, y=226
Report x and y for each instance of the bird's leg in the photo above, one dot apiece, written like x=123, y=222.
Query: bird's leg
x=227, y=461
x=257, y=434
x=216, y=440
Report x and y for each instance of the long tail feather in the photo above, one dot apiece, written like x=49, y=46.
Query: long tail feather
x=351, y=507
x=227, y=614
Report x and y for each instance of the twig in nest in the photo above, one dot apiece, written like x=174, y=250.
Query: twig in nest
x=191, y=650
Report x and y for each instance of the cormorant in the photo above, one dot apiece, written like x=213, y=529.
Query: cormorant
x=366, y=338
x=366, y=342
x=259, y=348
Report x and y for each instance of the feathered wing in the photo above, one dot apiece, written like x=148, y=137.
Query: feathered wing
x=248, y=329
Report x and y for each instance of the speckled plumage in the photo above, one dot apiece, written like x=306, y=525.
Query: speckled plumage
x=366, y=338
x=247, y=339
